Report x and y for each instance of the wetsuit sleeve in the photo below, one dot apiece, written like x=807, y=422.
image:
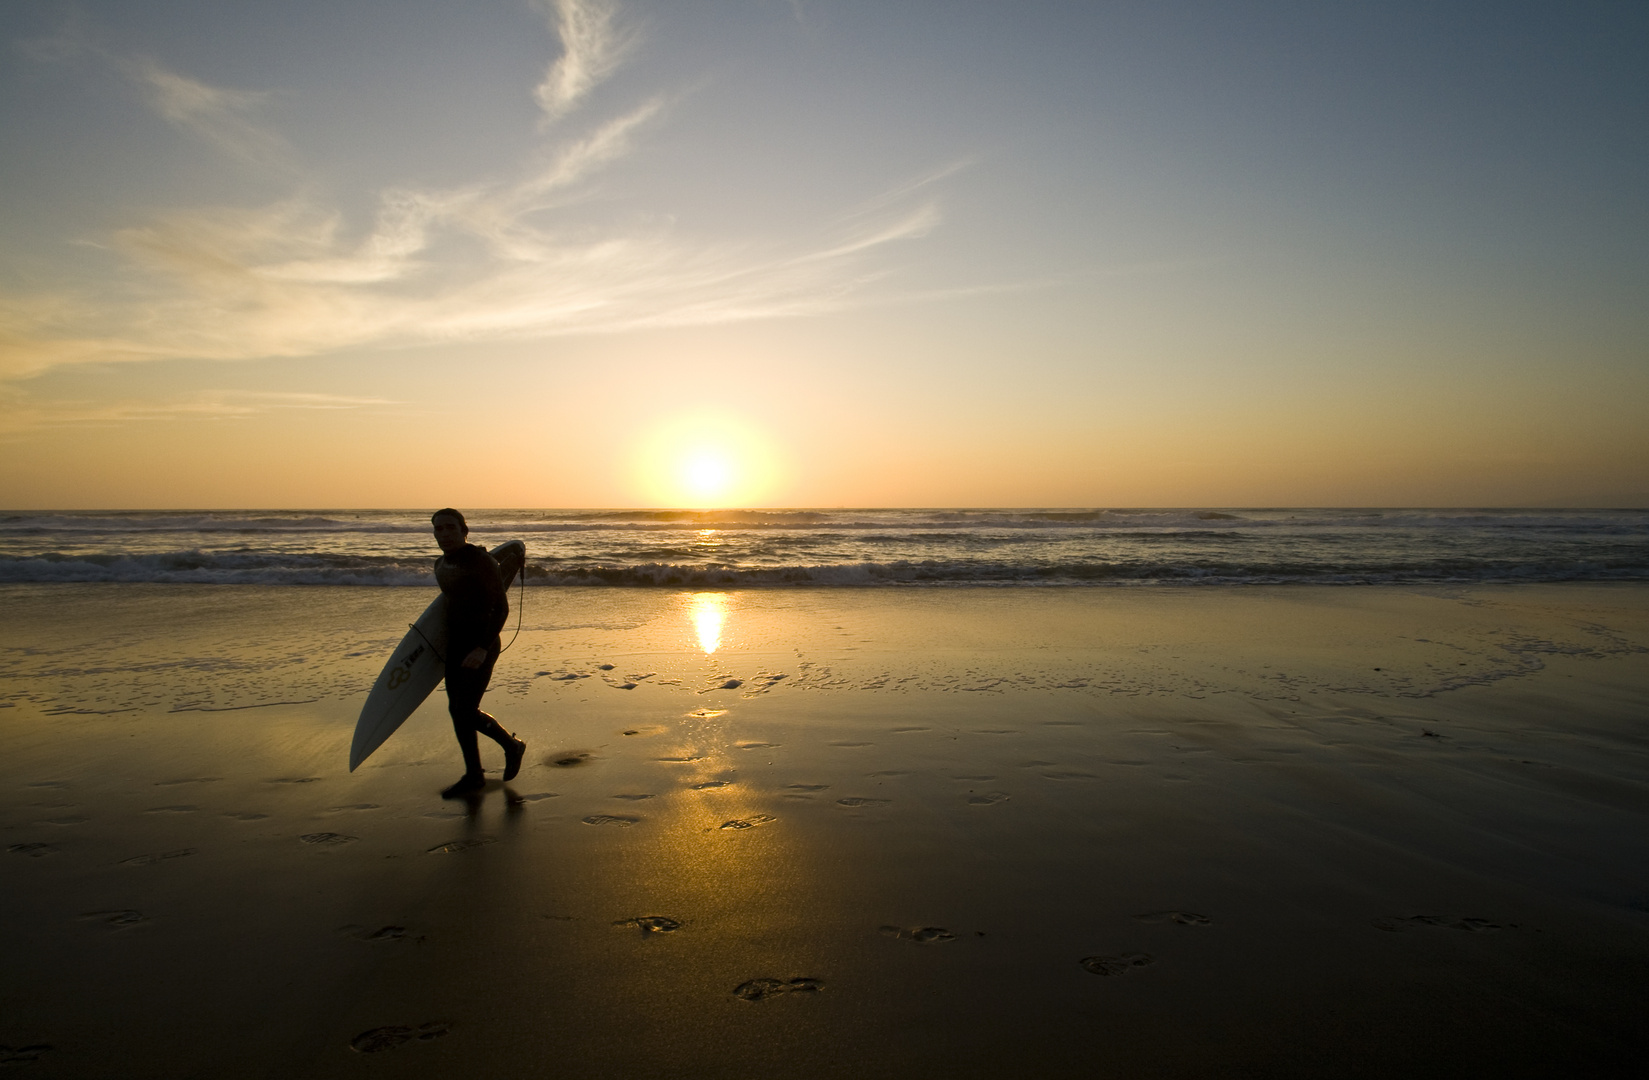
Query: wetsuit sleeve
x=477, y=605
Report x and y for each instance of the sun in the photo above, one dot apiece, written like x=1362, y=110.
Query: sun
x=707, y=475
x=705, y=462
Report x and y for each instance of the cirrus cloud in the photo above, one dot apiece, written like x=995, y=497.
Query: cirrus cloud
x=495, y=258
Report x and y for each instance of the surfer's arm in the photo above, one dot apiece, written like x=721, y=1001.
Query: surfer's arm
x=498, y=600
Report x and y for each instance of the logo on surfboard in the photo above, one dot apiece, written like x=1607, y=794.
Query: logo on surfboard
x=401, y=672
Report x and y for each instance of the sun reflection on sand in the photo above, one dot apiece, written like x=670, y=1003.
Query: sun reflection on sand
x=709, y=615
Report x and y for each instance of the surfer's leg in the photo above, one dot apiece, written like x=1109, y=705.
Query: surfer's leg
x=468, y=745
x=463, y=705
x=513, y=747
x=487, y=725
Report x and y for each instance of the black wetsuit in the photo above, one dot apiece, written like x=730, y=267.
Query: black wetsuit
x=477, y=607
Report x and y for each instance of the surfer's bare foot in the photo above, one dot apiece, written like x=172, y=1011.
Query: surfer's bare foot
x=512, y=758
x=468, y=783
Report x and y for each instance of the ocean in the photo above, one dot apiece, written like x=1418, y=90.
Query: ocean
x=805, y=548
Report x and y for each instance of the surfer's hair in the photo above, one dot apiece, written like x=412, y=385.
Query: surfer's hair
x=447, y=511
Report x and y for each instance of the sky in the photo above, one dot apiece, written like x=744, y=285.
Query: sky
x=612, y=253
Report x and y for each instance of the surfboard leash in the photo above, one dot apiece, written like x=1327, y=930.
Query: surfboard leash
x=430, y=643
x=520, y=603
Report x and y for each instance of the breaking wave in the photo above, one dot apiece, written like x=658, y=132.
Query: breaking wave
x=841, y=547
x=203, y=568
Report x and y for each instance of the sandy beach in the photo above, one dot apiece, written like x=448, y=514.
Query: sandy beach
x=1111, y=832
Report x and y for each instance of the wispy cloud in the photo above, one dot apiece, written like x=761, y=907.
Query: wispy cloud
x=221, y=117
x=592, y=48
x=496, y=258
x=24, y=415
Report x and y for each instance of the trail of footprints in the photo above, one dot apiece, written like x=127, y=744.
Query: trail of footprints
x=765, y=988
x=1111, y=965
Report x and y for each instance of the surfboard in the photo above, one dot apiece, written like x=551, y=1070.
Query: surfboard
x=416, y=667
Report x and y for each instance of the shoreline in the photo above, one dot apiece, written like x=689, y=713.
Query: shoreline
x=1330, y=870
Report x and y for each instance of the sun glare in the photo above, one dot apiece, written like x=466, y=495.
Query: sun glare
x=707, y=475
x=709, y=615
x=705, y=463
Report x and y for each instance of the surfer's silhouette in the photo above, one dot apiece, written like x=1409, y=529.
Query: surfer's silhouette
x=477, y=606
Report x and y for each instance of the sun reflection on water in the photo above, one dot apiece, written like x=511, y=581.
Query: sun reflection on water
x=709, y=615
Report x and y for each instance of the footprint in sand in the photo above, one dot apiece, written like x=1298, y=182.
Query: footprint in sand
x=388, y=1038
x=747, y=823
x=295, y=780
x=850, y=745
x=247, y=816
x=1184, y=918
x=383, y=933
x=907, y=730
x=634, y=798
x=988, y=798
x=327, y=839
x=569, y=761
x=806, y=787
x=761, y=989
x=118, y=919
x=355, y=806
x=72, y=819
x=1441, y=922
x=857, y=801
x=158, y=856
x=188, y=780
x=763, y=682
x=711, y=785
x=35, y=850
x=1120, y=964
x=536, y=796
x=621, y=821
x=757, y=745
x=22, y=1055
x=468, y=843
x=922, y=935
x=887, y=773
x=171, y=810
x=651, y=924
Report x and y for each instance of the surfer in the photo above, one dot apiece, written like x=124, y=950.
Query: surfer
x=477, y=607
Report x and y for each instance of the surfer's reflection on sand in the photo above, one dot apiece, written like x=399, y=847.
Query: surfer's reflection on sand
x=473, y=801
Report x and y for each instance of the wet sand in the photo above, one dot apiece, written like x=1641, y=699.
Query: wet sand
x=1290, y=832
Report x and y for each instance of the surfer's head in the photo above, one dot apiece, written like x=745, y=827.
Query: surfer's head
x=450, y=528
